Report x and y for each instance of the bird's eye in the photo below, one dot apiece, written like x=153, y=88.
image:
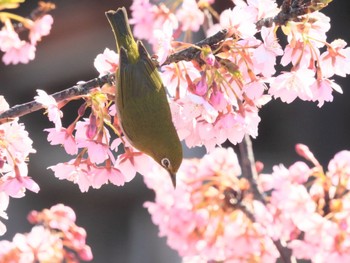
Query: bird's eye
x=165, y=162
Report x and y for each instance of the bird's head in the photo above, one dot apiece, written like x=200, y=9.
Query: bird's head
x=170, y=158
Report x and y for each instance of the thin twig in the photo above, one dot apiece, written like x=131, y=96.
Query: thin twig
x=249, y=169
x=192, y=52
x=250, y=173
x=285, y=253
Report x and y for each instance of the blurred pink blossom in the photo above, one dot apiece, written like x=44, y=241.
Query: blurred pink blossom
x=339, y=169
x=162, y=41
x=8, y=39
x=39, y=245
x=21, y=53
x=40, y=27
x=107, y=62
x=239, y=20
x=54, y=238
x=143, y=16
x=190, y=16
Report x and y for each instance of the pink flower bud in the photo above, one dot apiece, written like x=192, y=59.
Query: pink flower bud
x=305, y=152
x=81, y=110
x=259, y=166
x=91, y=128
x=33, y=217
x=217, y=99
x=210, y=59
x=201, y=87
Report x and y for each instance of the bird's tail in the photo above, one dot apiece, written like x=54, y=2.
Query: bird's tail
x=122, y=33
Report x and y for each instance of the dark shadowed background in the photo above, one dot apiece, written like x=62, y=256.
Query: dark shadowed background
x=119, y=228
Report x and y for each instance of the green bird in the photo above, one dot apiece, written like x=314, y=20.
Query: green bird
x=141, y=100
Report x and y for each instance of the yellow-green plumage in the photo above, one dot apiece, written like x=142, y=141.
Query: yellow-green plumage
x=141, y=100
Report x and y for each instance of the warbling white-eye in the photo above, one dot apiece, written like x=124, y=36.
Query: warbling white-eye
x=142, y=106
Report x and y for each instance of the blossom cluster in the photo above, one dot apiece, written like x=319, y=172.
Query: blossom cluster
x=309, y=208
x=218, y=97
x=89, y=141
x=209, y=213
x=211, y=216
x=15, y=147
x=18, y=50
x=54, y=238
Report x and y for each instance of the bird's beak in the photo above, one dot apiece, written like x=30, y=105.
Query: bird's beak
x=173, y=178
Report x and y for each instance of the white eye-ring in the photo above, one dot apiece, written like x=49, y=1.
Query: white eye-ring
x=165, y=162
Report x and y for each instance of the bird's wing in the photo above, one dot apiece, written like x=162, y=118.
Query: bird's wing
x=139, y=79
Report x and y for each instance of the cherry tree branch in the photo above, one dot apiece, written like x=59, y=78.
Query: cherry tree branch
x=291, y=10
x=61, y=96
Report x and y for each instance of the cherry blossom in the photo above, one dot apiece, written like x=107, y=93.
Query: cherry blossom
x=336, y=59
x=96, y=143
x=63, y=137
x=50, y=104
x=309, y=31
x=162, y=41
x=131, y=161
x=322, y=91
x=81, y=173
x=104, y=175
x=175, y=77
x=14, y=183
x=107, y=62
x=290, y=85
x=265, y=55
